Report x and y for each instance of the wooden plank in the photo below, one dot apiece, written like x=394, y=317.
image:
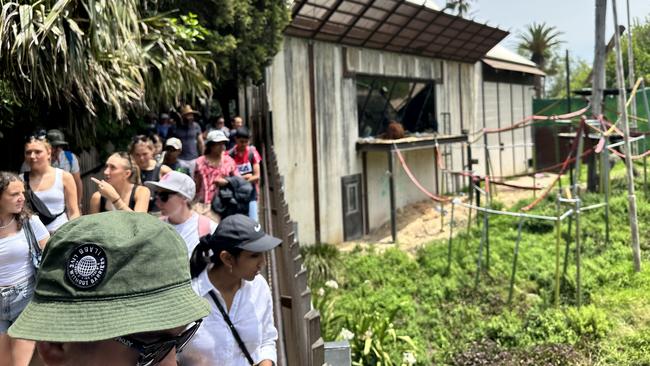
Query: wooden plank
x=318, y=352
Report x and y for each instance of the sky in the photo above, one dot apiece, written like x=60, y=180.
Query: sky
x=574, y=18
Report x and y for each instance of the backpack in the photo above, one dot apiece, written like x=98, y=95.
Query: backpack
x=36, y=205
x=68, y=157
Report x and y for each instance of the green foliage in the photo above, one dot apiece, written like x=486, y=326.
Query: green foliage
x=322, y=262
x=580, y=71
x=641, y=51
x=242, y=35
x=450, y=320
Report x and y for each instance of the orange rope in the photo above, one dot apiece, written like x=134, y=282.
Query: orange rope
x=408, y=172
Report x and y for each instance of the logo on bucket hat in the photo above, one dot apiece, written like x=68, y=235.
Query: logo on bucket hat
x=86, y=266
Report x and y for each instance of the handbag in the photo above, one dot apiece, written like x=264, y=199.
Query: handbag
x=37, y=205
x=241, y=344
x=35, y=251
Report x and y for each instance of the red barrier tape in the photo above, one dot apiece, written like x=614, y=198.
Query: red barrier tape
x=408, y=172
x=528, y=119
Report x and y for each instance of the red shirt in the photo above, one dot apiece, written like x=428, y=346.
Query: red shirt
x=243, y=159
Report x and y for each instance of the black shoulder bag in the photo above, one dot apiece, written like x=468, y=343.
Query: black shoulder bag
x=35, y=251
x=241, y=344
x=37, y=206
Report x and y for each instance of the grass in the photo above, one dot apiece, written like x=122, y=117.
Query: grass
x=454, y=322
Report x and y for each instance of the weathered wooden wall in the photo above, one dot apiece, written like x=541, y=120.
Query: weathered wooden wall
x=503, y=104
x=337, y=128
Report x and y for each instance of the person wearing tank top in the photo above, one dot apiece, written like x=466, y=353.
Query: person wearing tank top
x=142, y=151
x=120, y=188
x=55, y=187
x=16, y=268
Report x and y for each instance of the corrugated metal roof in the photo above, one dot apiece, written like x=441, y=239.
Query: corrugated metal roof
x=393, y=25
x=503, y=65
x=499, y=52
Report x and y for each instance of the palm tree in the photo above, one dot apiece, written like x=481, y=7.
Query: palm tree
x=460, y=6
x=538, y=42
x=98, y=56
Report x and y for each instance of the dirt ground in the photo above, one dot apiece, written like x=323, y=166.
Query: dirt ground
x=421, y=222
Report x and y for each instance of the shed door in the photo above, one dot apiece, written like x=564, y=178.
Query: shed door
x=352, y=208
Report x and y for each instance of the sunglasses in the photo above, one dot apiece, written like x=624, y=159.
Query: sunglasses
x=152, y=353
x=38, y=135
x=164, y=196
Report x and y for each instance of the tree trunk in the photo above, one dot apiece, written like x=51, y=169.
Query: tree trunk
x=620, y=81
x=598, y=81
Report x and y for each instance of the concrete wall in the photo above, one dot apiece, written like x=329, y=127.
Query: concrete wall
x=337, y=129
x=288, y=94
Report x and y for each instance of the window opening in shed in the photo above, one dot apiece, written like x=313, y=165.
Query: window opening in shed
x=382, y=99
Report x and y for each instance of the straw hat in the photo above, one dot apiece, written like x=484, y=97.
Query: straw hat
x=187, y=109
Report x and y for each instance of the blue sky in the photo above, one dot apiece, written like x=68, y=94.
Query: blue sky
x=575, y=18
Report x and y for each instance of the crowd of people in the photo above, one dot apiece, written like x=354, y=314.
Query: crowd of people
x=179, y=185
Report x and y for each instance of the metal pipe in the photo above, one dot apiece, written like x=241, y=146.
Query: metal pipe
x=514, y=260
x=451, y=234
x=558, y=238
x=314, y=141
x=578, y=265
x=391, y=185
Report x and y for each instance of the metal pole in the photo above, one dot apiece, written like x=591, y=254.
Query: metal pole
x=630, y=63
x=514, y=260
x=645, y=160
x=578, y=284
x=558, y=238
x=480, y=255
x=568, y=81
x=391, y=185
x=634, y=230
x=606, y=189
x=451, y=234
x=581, y=140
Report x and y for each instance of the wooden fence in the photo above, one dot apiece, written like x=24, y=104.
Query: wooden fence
x=298, y=324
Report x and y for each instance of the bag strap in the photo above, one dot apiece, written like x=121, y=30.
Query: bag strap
x=34, y=249
x=232, y=328
x=203, y=225
x=68, y=156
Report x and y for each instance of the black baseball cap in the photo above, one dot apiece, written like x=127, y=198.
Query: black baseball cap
x=242, y=232
x=243, y=132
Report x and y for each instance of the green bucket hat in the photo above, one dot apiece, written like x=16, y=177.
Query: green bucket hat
x=108, y=275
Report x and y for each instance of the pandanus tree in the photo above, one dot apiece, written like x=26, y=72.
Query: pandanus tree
x=538, y=42
x=108, y=57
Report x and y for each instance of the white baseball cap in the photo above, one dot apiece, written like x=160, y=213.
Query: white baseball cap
x=175, y=143
x=176, y=182
x=216, y=136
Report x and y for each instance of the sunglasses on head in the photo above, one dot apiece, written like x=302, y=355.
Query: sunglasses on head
x=164, y=195
x=152, y=353
x=38, y=135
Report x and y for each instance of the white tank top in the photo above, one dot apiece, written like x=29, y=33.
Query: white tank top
x=54, y=199
x=15, y=260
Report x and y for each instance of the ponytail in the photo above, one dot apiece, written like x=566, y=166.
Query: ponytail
x=207, y=251
x=200, y=257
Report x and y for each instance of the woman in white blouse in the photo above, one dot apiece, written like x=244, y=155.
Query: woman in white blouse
x=16, y=266
x=232, y=259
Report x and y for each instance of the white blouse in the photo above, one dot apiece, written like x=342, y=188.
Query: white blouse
x=252, y=315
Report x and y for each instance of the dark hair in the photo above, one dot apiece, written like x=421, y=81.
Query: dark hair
x=5, y=179
x=207, y=251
